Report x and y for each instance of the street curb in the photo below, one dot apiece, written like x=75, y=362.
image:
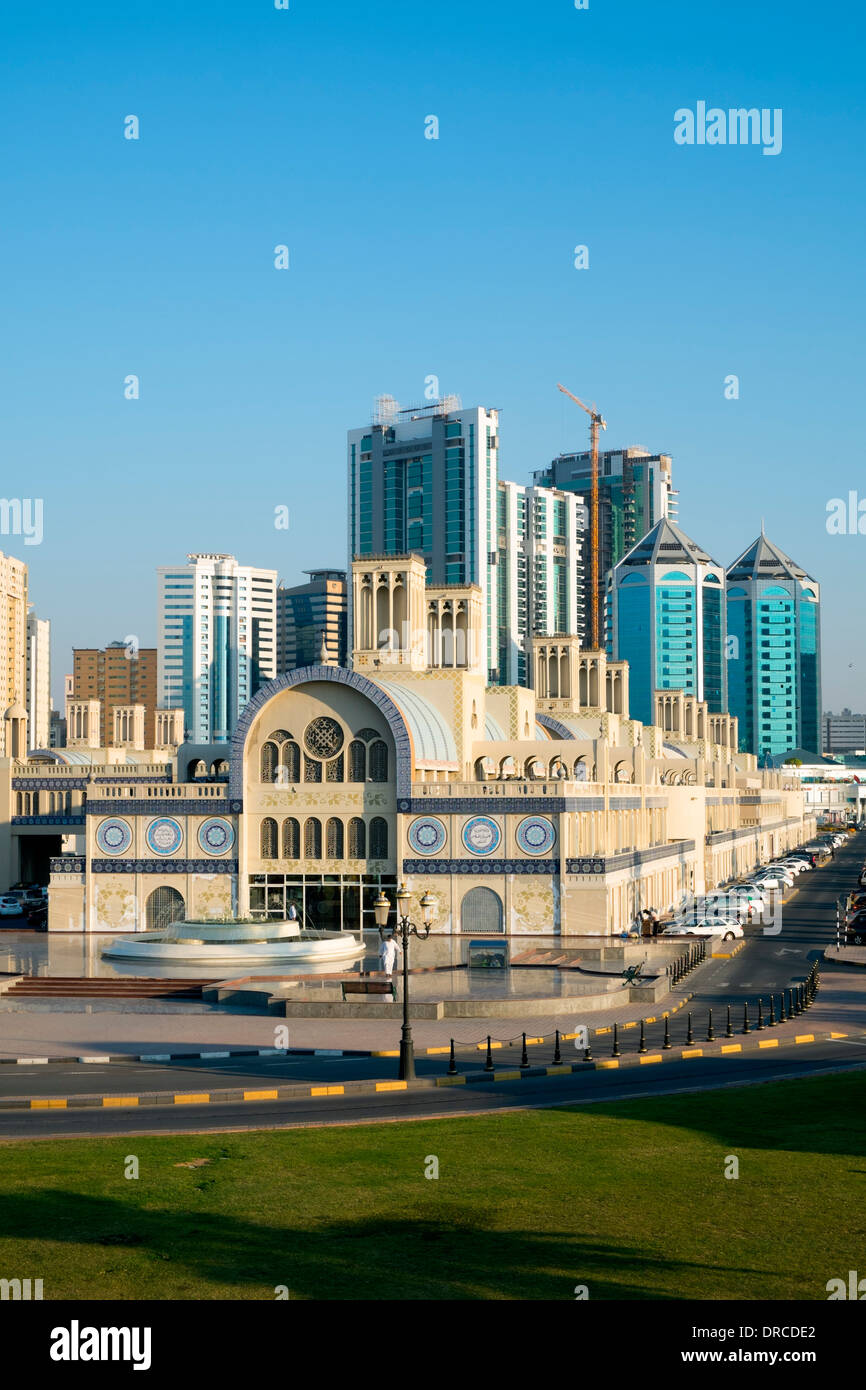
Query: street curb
x=222, y=1054
x=720, y=1047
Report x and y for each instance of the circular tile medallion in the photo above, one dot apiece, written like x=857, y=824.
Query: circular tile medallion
x=427, y=835
x=113, y=836
x=215, y=836
x=536, y=835
x=481, y=835
x=164, y=836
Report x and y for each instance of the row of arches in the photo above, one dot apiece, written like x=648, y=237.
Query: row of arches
x=284, y=763
x=43, y=803
x=533, y=769
x=351, y=841
x=198, y=768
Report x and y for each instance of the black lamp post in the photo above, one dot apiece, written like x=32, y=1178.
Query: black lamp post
x=382, y=909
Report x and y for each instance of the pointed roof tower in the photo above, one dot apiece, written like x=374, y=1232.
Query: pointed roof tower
x=666, y=544
x=764, y=560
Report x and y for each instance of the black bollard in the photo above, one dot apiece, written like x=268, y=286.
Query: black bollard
x=642, y=1045
x=791, y=1009
x=667, y=1042
x=587, y=1052
x=524, y=1056
x=729, y=1031
x=557, y=1055
x=760, y=1015
x=452, y=1064
x=771, y=1021
x=690, y=1037
x=711, y=1037
x=746, y=1025
x=783, y=1017
x=615, y=1052
x=488, y=1065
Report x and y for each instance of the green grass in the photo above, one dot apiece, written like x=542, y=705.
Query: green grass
x=629, y=1199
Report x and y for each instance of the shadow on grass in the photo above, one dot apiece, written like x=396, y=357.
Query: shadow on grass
x=385, y=1258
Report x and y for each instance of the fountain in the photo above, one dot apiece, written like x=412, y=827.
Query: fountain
x=242, y=944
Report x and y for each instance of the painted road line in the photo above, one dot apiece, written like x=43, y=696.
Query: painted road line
x=119, y=1100
x=327, y=1090
x=768, y=1042
x=391, y=1085
x=261, y=1095
x=693, y=1052
x=48, y=1105
x=804, y=1037
x=192, y=1097
x=732, y=1047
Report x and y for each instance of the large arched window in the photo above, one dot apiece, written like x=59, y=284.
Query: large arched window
x=269, y=838
x=378, y=838
x=334, y=838
x=290, y=761
x=269, y=762
x=357, y=838
x=313, y=838
x=378, y=761
x=164, y=906
x=357, y=761
x=291, y=838
x=334, y=769
x=312, y=769
x=481, y=912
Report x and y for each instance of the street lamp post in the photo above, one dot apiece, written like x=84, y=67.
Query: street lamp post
x=382, y=909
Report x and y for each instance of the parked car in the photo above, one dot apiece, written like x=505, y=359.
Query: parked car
x=726, y=928
x=10, y=905
x=37, y=916
x=779, y=882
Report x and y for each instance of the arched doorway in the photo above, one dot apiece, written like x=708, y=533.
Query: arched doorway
x=481, y=912
x=164, y=906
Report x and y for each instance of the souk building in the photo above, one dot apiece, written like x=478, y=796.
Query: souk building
x=546, y=811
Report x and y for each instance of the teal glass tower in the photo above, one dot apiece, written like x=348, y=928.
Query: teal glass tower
x=774, y=634
x=666, y=618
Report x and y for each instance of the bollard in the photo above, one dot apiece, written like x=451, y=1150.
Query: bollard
x=807, y=996
x=452, y=1064
x=524, y=1056
x=729, y=1031
x=746, y=1024
x=771, y=1021
x=587, y=1054
x=488, y=1065
x=760, y=1015
x=615, y=1052
x=711, y=1037
x=791, y=1009
x=783, y=1017
x=802, y=999
x=667, y=1042
x=557, y=1055
x=642, y=1045
x=690, y=1037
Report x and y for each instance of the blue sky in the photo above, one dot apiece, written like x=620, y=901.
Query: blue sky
x=412, y=257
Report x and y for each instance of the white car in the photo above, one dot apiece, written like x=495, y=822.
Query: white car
x=726, y=928
x=9, y=906
x=777, y=881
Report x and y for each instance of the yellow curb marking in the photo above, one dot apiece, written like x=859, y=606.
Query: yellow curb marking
x=598, y=1031
x=654, y=1057
x=693, y=1052
x=805, y=1037
x=839, y=1035
x=432, y=1050
x=769, y=1042
x=327, y=1090
x=391, y=1085
x=451, y=1081
x=260, y=1095
x=733, y=1047
x=395, y=1053
x=614, y=1062
x=48, y=1105
x=628, y=1025
x=197, y=1098
x=555, y=1070
x=120, y=1100
x=506, y=1075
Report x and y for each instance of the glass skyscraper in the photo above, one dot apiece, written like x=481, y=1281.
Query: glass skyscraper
x=774, y=671
x=666, y=618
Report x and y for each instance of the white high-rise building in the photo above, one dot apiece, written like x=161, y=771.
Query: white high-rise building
x=217, y=641
x=539, y=572
x=13, y=639
x=38, y=681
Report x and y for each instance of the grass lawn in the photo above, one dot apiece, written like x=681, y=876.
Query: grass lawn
x=629, y=1199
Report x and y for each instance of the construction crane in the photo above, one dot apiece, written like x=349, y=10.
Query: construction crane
x=596, y=422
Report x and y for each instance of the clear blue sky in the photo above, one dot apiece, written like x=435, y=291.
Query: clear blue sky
x=411, y=257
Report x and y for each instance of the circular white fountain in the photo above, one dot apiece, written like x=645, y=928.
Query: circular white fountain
x=240, y=944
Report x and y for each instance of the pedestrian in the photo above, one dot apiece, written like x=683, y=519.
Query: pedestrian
x=292, y=913
x=388, y=956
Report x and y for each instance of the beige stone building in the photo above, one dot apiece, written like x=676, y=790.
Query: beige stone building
x=523, y=811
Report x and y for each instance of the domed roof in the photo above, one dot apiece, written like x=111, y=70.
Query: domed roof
x=16, y=711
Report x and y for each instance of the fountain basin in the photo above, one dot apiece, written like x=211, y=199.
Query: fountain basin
x=235, y=944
